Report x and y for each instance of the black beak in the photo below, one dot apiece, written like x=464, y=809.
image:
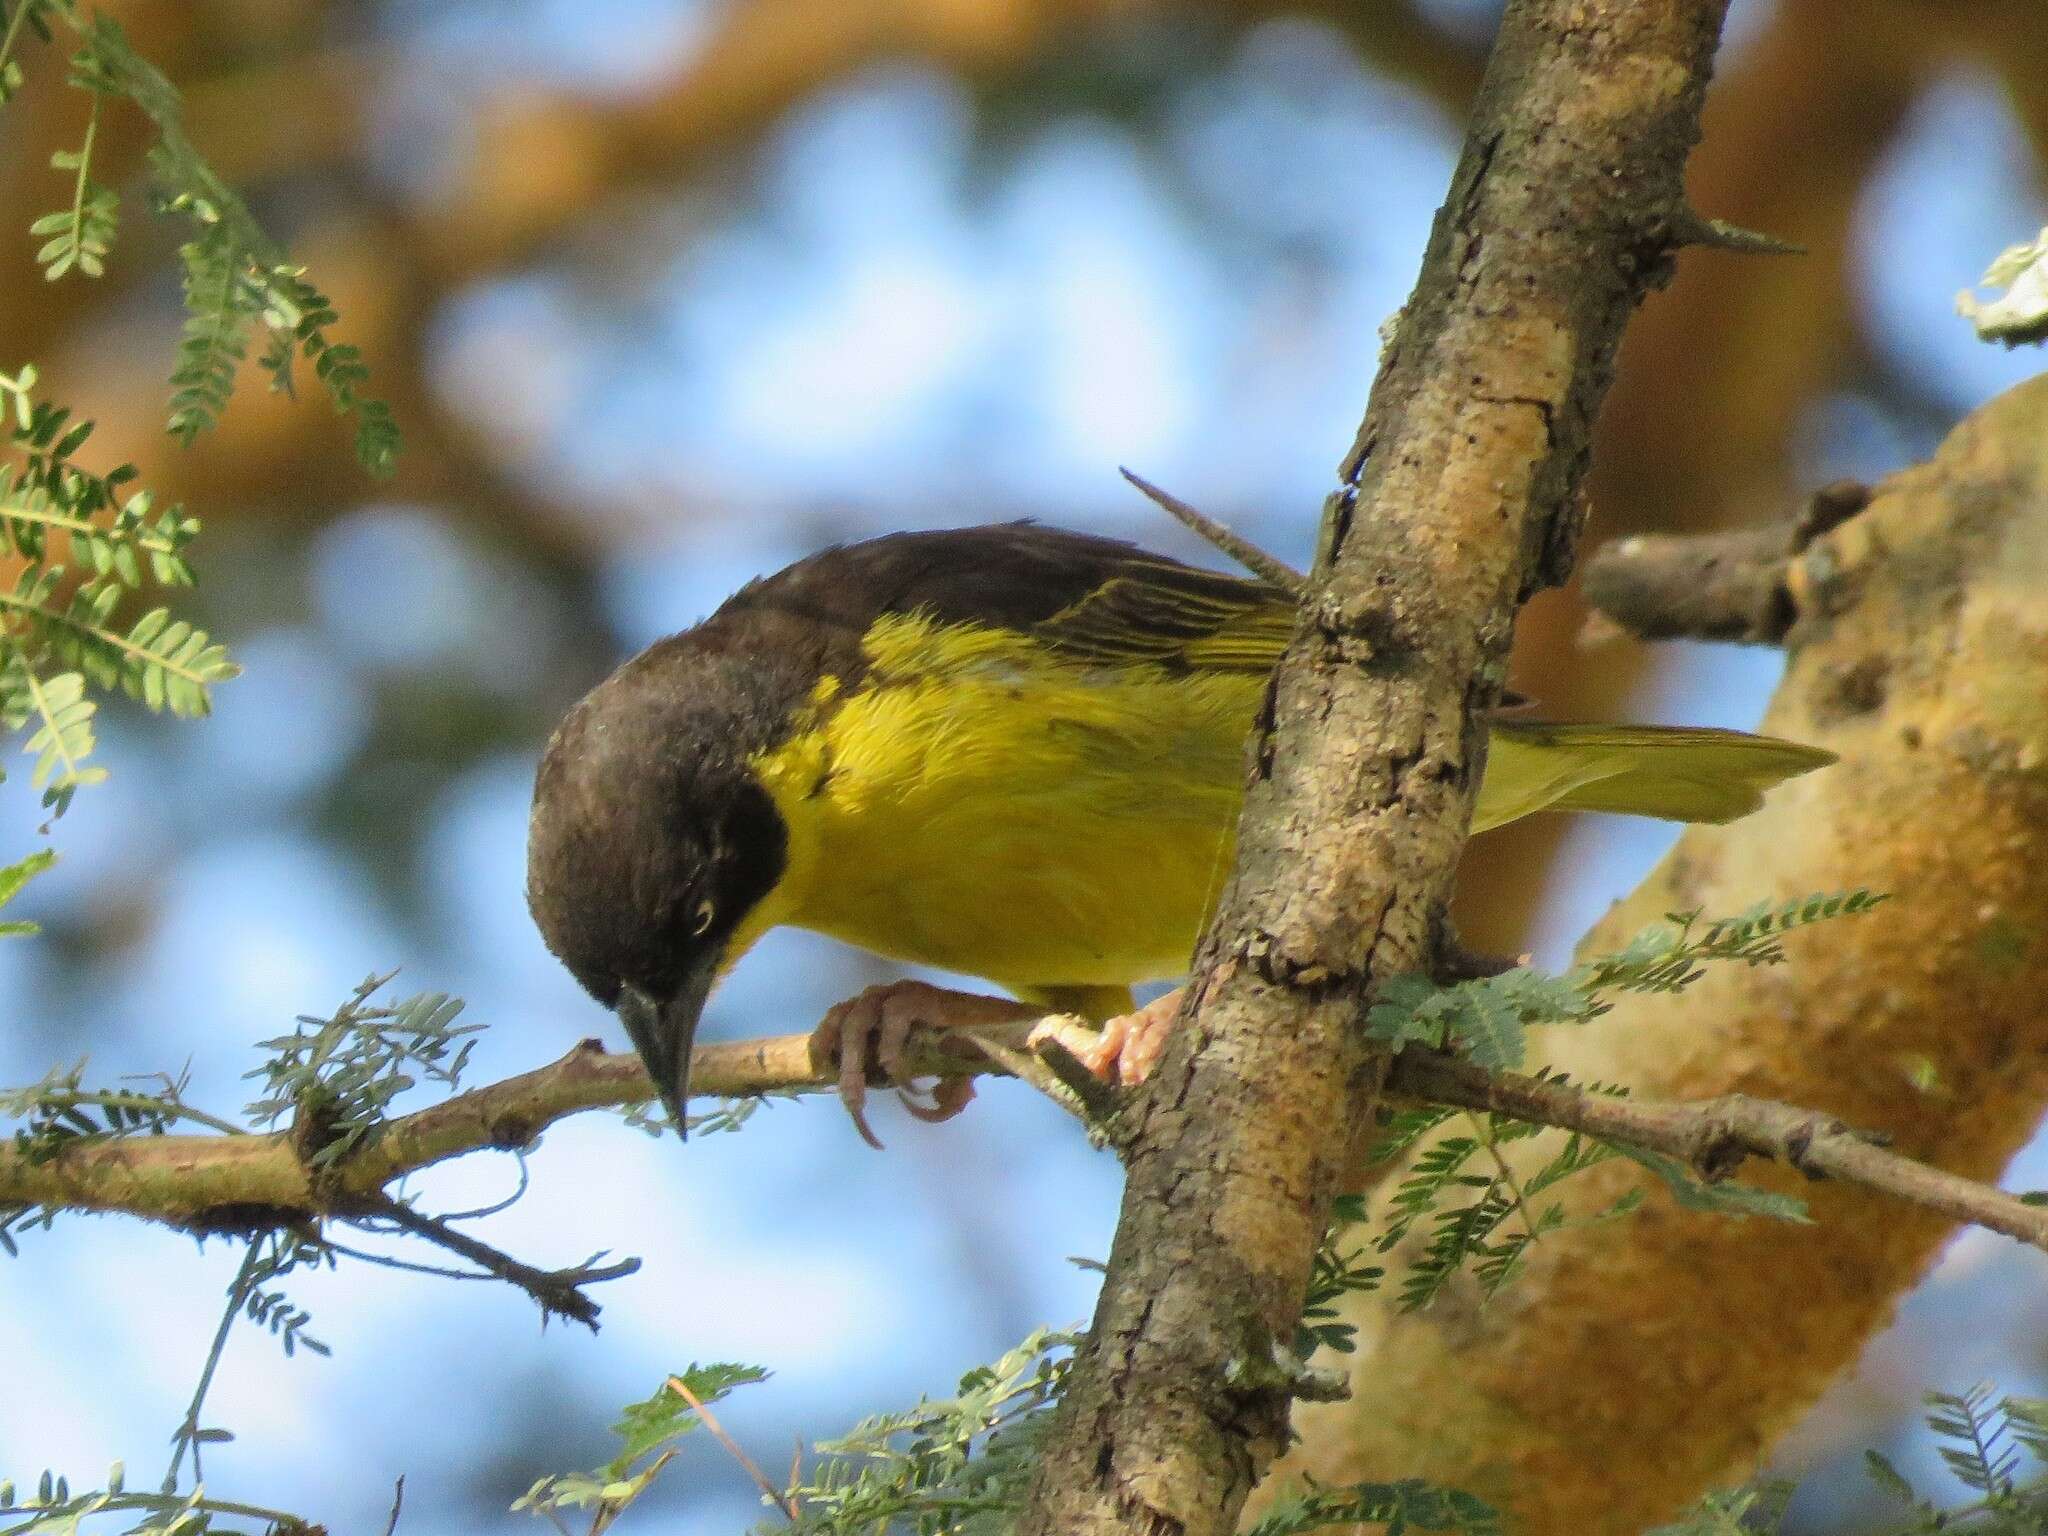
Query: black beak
x=663, y=1032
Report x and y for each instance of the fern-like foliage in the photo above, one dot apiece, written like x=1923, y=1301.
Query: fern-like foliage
x=955, y=1465
x=338, y=1075
x=86, y=543
x=648, y=1432
x=1986, y=1440
x=55, y=1509
x=1748, y=1511
x=85, y=539
x=1974, y=1434
x=220, y=307
x=80, y=236
x=1480, y=1217
x=1726, y=1197
x=270, y=1257
x=1336, y=1272
x=25, y=18
x=235, y=275
x=1488, y=1018
x=1409, y=1505
x=12, y=878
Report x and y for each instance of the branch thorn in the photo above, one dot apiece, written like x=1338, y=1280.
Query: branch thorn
x=1247, y=554
x=1691, y=227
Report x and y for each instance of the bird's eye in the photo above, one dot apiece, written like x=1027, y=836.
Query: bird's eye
x=700, y=919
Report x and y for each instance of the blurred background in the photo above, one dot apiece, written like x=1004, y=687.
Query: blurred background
x=667, y=293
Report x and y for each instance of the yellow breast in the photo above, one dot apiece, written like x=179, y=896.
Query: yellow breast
x=978, y=807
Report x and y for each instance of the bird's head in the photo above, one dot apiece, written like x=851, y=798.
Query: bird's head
x=651, y=841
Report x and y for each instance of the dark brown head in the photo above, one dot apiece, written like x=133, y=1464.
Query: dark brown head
x=651, y=838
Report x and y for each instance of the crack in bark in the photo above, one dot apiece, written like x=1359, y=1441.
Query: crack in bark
x=1545, y=410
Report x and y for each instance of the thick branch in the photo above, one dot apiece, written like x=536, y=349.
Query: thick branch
x=1458, y=499
x=1731, y=585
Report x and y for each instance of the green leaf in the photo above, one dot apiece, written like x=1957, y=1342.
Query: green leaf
x=18, y=874
x=1975, y=1435
x=1888, y=1478
x=654, y=1422
x=1728, y=1197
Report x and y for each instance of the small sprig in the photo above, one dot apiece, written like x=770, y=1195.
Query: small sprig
x=270, y=1257
x=1488, y=1017
x=59, y=636
x=1485, y=1218
x=648, y=1432
x=58, y=1511
x=1984, y=1439
x=1491, y=1231
x=338, y=1075
x=80, y=236
x=1336, y=1272
x=236, y=276
x=34, y=16
x=1409, y=1505
x=12, y=878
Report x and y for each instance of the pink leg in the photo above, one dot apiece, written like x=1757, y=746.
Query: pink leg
x=1127, y=1047
x=874, y=1029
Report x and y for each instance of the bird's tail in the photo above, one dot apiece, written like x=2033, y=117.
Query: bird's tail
x=1677, y=773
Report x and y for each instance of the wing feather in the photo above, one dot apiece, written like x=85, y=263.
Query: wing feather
x=1090, y=600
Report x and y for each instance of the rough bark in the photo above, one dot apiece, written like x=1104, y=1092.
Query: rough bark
x=1638, y=1363
x=1457, y=500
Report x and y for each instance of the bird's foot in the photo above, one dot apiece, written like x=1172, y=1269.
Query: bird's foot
x=1126, y=1048
x=874, y=1030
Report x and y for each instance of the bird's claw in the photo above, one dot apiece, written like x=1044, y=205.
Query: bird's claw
x=874, y=1030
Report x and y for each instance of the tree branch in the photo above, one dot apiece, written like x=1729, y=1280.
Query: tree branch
x=209, y=1181
x=1459, y=498
x=1714, y=1135
x=558, y=1292
x=235, y=1182
x=1730, y=585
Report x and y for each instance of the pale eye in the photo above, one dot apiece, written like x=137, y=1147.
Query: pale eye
x=700, y=920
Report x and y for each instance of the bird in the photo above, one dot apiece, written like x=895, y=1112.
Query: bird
x=1011, y=751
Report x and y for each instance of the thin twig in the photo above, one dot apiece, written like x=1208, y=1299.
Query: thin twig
x=1715, y=1135
x=1234, y=544
x=779, y=1499
x=188, y=1433
x=1482, y=1132
x=1041, y=1068
x=557, y=1291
